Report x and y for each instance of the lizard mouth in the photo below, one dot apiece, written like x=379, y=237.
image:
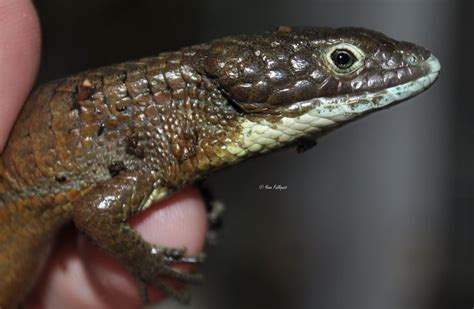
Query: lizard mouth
x=410, y=89
x=343, y=108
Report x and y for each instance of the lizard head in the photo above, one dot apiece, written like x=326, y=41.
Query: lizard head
x=299, y=81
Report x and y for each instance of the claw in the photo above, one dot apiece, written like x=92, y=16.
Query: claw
x=184, y=276
x=193, y=259
x=186, y=259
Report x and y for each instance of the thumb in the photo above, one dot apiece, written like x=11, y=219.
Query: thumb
x=20, y=42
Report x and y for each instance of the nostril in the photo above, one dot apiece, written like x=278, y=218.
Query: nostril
x=412, y=59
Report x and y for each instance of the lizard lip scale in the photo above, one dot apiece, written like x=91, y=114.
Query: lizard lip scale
x=360, y=104
x=102, y=145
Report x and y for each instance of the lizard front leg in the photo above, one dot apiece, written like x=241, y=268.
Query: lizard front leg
x=102, y=214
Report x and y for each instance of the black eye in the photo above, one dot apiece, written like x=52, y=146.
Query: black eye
x=343, y=58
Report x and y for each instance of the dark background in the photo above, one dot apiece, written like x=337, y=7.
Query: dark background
x=378, y=215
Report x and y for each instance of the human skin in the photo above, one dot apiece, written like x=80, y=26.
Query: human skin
x=78, y=273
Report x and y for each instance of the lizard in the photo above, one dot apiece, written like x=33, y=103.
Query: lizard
x=100, y=146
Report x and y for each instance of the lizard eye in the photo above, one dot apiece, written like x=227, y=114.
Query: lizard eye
x=345, y=58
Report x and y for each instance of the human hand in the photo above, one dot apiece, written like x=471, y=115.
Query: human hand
x=78, y=273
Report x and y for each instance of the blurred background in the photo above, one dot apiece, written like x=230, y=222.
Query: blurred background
x=378, y=215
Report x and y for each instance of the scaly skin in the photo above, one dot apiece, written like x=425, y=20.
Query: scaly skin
x=102, y=145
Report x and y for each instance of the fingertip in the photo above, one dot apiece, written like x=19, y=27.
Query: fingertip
x=20, y=40
x=178, y=221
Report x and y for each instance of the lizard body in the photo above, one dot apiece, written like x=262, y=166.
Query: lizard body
x=102, y=145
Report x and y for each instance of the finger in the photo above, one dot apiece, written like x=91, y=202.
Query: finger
x=19, y=57
x=83, y=276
